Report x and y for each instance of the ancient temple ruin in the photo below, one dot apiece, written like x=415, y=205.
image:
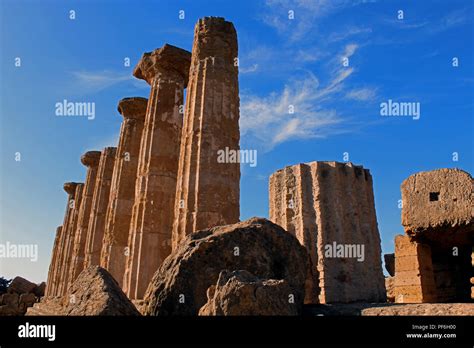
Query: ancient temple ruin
x=433, y=261
x=96, y=227
x=164, y=182
x=166, y=71
x=122, y=191
x=329, y=207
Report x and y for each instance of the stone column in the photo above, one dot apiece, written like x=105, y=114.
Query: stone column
x=122, y=191
x=100, y=202
x=208, y=191
x=52, y=266
x=91, y=160
x=70, y=188
x=414, y=276
x=329, y=207
x=69, y=243
x=166, y=70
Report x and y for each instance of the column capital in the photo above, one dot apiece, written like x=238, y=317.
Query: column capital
x=215, y=37
x=70, y=187
x=133, y=107
x=168, y=61
x=91, y=158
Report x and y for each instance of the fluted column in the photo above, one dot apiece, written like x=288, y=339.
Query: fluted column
x=122, y=191
x=100, y=201
x=91, y=160
x=58, y=269
x=69, y=240
x=52, y=266
x=208, y=191
x=166, y=70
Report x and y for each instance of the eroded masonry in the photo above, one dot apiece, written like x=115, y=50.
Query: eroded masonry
x=163, y=181
x=434, y=259
x=329, y=207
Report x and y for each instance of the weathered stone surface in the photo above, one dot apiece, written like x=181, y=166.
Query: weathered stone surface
x=437, y=207
x=95, y=292
x=122, y=191
x=208, y=191
x=10, y=299
x=438, y=216
x=53, y=266
x=70, y=235
x=91, y=160
x=414, y=279
x=49, y=306
x=166, y=70
x=438, y=309
x=28, y=299
x=241, y=293
x=21, y=285
x=62, y=245
x=322, y=203
x=256, y=245
x=390, y=263
x=390, y=286
x=39, y=290
x=7, y=310
x=100, y=201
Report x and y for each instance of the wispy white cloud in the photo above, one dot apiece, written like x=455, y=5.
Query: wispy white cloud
x=349, y=50
x=296, y=112
x=362, y=94
x=454, y=18
x=95, y=81
x=306, y=14
x=406, y=24
x=250, y=69
x=310, y=55
x=348, y=32
x=433, y=25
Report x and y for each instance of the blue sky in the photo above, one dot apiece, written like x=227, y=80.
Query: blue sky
x=283, y=62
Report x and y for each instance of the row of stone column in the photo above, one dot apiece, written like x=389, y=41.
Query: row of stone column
x=163, y=181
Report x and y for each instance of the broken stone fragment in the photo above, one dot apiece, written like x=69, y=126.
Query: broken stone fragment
x=241, y=293
x=257, y=245
x=95, y=292
x=20, y=285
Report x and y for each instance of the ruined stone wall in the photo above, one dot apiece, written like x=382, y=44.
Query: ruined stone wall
x=438, y=199
x=323, y=203
x=438, y=218
x=414, y=277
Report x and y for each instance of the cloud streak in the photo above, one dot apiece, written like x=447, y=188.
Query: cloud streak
x=95, y=81
x=296, y=112
x=362, y=94
x=306, y=14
